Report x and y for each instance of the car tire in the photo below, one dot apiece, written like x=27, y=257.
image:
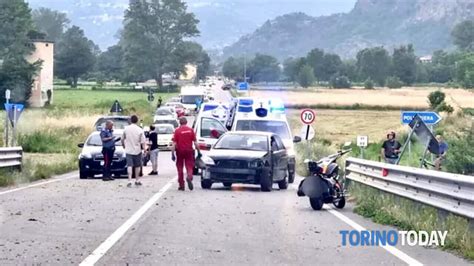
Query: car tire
x=291, y=177
x=341, y=203
x=206, y=184
x=83, y=175
x=316, y=203
x=283, y=184
x=227, y=184
x=266, y=182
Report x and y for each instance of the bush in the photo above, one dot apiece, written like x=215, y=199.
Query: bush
x=306, y=76
x=436, y=98
x=394, y=82
x=369, y=84
x=444, y=107
x=340, y=82
x=460, y=156
x=61, y=140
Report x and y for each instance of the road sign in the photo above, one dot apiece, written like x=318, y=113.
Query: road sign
x=307, y=132
x=243, y=86
x=362, y=141
x=116, y=107
x=7, y=94
x=307, y=116
x=14, y=111
x=430, y=118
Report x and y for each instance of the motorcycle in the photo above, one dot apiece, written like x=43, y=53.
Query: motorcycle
x=324, y=185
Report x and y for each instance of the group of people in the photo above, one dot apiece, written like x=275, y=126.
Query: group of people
x=391, y=149
x=135, y=145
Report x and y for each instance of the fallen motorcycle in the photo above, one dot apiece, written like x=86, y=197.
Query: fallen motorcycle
x=324, y=184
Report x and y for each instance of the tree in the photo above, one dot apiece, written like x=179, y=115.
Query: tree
x=404, y=64
x=465, y=71
x=203, y=65
x=463, y=35
x=154, y=32
x=292, y=68
x=394, y=82
x=16, y=73
x=75, y=56
x=233, y=68
x=332, y=66
x=435, y=98
x=340, y=82
x=315, y=59
x=50, y=22
x=373, y=63
x=110, y=63
x=306, y=76
x=264, y=68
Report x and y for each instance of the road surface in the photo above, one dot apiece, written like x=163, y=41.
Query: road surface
x=68, y=221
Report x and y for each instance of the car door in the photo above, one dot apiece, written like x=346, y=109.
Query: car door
x=208, y=131
x=276, y=158
x=284, y=159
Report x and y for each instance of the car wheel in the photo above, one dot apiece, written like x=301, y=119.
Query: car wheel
x=266, y=182
x=283, y=184
x=316, y=203
x=227, y=184
x=341, y=203
x=291, y=177
x=83, y=175
x=206, y=184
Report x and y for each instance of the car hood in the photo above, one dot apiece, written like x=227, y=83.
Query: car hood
x=94, y=150
x=235, y=154
x=164, y=137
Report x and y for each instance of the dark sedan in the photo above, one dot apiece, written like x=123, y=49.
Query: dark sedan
x=247, y=157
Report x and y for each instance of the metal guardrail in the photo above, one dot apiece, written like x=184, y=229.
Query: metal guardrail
x=451, y=192
x=11, y=157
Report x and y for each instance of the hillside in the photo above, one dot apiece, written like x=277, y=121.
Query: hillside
x=425, y=23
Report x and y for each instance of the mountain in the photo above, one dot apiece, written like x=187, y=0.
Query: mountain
x=425, y=23
x=222, y=22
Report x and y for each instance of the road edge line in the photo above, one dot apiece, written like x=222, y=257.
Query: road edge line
x=54, y=180
x=105, y=246
x=392, y=250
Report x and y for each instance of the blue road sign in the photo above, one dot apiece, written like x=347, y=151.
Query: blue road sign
x=430, y=118
x=14, y=111
x=243, y=86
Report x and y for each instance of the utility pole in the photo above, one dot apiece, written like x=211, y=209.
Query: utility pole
x=7, y=97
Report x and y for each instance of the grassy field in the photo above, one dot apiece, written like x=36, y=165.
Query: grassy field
x=396, y=98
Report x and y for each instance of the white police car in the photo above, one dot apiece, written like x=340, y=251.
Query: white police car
x=267, y=115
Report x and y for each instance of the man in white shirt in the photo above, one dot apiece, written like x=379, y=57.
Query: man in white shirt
x=133, y=141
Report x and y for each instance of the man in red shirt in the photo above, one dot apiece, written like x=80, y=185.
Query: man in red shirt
x=183, y=140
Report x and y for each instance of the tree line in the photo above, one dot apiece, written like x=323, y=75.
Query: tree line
x=153, y=41
x=372, y=66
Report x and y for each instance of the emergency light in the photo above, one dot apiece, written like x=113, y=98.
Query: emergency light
x=209, y=108
x=276, y=106
x=261, y=112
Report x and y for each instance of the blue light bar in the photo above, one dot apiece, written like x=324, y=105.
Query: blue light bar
x=276, y=106
x=246, y=102
x=209, y=108
x=245, y=109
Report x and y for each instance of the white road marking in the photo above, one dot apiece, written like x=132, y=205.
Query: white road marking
x=394, y=251
x=69, y=176
x=105, y=246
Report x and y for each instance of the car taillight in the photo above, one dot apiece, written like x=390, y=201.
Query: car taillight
x=204, y=146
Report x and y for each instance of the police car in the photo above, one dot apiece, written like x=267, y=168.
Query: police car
x=267, y=115
x=209, y=124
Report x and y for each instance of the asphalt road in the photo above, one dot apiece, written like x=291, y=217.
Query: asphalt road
x=69, y=221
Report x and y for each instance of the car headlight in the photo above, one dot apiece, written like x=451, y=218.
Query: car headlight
x=208, y=160
x=85, y=155
x=255, y=164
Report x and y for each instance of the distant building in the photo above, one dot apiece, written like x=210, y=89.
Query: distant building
x=191, y=73
x=44, y=79
x=426, y=59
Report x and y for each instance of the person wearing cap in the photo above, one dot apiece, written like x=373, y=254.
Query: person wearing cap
x=443, y=149
x=183, y=152
x=391, y=149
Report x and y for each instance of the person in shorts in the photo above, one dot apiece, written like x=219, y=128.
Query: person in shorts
x=391, y=149
x=153, y=143
x=133, y=141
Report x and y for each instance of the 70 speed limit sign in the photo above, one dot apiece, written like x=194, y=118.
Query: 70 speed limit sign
x=307, y=116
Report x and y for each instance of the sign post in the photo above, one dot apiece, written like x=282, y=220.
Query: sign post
x=307, y=117
x=7, y=98
x=362, y=143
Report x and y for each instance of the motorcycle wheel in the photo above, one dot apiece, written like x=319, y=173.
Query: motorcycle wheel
x=341, y=203
x=316, y=203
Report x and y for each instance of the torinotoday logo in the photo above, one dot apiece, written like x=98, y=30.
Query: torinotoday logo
x=392, y=238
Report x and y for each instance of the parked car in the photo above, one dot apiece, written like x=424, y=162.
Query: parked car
x=164, y=113
x=165, y=136
x=170, y=121
x=120, y=122
x=179, y=108
x=248, y=157
x=91, y=160
x=226, y=87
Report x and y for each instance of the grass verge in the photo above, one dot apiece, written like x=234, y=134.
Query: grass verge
x=385, y=208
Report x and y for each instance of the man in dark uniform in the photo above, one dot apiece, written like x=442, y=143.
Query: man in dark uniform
x=108, y=149
x=391, y=149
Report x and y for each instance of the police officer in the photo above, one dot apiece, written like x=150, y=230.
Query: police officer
x=108, y=149
x=391, y=149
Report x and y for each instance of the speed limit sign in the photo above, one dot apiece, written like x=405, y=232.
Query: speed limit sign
x=307, y=116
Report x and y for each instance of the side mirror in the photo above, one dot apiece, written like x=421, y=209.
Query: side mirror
x=296, y=139
x=80, y=145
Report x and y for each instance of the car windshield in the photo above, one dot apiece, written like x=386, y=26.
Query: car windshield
x=95, y=140
x=242, y=142
x=164, y=111
x=171, y=122
x=164, y=130
x=190, y=99
x=278, y=127
x=119, y=123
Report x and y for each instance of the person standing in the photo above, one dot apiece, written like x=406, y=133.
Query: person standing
x=443, y=149
x=153, y=143
x=108, y=149
x=133, y=141
x=183, y=140
x=391, y=149
x=160, y=101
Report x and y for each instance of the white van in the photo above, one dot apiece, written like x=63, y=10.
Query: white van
x=267, y=115
x=190, y=95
